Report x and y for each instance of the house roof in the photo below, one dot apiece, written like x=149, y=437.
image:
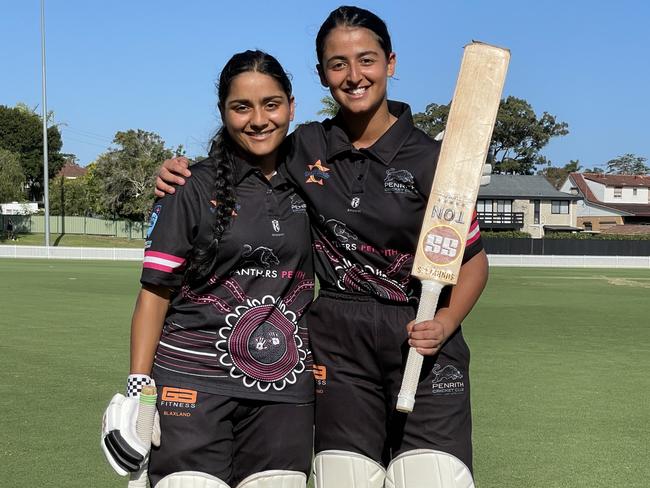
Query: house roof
x=628, y=229
x=640, y=209
x=619, y=180
x=523, y=186
x=71, y=170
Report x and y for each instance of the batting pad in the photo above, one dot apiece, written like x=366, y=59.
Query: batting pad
x=191, y=479
x=276, y=478
x=426, y=468
x=338, y=469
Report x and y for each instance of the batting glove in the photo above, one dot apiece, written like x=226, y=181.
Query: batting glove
x=485, y=177
x=124, y=450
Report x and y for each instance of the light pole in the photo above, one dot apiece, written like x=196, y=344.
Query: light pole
x=46, y=182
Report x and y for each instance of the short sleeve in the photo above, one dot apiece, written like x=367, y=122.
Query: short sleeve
x=474, y=244
x=173, y=227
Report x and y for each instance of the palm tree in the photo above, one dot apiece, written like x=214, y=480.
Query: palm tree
x=330, y=106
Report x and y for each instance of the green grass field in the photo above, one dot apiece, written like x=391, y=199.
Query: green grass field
x=560, y=374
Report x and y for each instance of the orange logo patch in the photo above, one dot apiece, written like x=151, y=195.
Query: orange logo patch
x=320, y=373
x=316, y=173
x=178, y=395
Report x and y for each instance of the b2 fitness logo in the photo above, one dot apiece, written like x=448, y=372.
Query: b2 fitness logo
x=178, y=402
x=447, y=380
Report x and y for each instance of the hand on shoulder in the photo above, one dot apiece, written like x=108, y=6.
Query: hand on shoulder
x=172, y=172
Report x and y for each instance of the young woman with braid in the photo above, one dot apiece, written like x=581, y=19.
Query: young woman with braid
x=227, y=277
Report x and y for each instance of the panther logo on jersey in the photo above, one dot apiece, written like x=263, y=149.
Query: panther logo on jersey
x=339, y=229
x=297, y=204
x=447, y=373
x=398, y=181
x=447, y=380
x=261, y=257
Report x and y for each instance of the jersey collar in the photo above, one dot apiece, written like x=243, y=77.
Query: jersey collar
x=244, y=169
x=387, y=146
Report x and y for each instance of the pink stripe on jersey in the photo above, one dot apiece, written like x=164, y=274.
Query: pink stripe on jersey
x=157, y=267
x=162, y=255
x=474, y=233
x=160, y=261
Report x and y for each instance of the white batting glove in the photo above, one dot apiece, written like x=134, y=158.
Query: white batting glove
x=124, y=450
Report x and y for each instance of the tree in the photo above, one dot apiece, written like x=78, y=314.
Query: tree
x=628, y=164
x=518, y=137
x=127, y=173
x=21, y=133
x=330, y=107
x=433, y=120
x=24, y=108
x=558, y=175
x=69, y=196
x=12, y=178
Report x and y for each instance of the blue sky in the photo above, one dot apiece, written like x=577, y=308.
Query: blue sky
x=152, y=64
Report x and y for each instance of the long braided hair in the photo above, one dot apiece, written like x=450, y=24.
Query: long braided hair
x=202, y=261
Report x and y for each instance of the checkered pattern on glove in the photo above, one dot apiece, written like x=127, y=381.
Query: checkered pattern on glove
x=135, y=383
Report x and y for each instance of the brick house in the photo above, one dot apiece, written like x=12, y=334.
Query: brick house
x=610, y=200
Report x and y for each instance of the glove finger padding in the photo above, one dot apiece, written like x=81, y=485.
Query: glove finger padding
x=155, y=434
x=124, y=451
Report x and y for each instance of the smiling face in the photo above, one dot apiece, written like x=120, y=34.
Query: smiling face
x=355, y=68
x=256, y=114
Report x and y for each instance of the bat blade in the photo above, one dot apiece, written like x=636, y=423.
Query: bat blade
x=451, y=203
x=458, y=174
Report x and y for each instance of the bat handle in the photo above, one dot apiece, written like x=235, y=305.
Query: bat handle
x=426, y=311
x=144, y=429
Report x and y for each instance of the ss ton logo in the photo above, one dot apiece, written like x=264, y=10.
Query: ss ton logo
x=442, y=245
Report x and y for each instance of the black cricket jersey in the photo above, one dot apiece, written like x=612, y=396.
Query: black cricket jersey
x=240, y=334
x=367, y=205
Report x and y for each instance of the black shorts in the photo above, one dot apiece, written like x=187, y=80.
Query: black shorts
x=360, y=349
x=229, y=438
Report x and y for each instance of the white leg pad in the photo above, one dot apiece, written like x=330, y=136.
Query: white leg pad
x=426, y=468
x=191, y=479
x=345, y=469
x=276, y=478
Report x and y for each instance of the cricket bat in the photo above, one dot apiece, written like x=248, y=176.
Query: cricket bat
x=144, y=428
x=455, y=187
